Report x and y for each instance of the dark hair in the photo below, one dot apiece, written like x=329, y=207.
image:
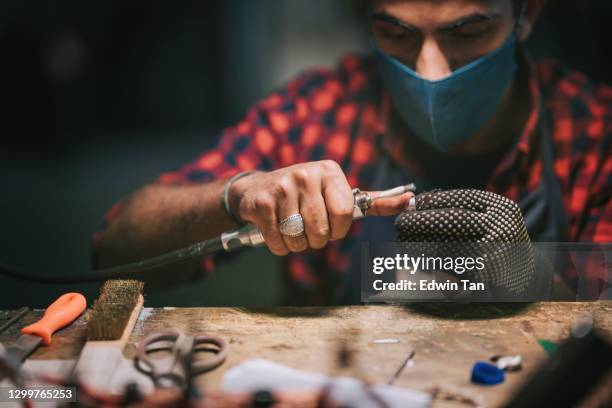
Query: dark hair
x=364, y=6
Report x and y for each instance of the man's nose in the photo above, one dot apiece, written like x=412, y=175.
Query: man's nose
x=431, y=63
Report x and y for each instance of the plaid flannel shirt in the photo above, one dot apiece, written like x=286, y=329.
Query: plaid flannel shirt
x=341, y=115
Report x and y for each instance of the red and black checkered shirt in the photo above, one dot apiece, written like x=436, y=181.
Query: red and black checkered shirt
x=341, y=115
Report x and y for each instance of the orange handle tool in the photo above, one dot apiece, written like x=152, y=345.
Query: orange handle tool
x=60, y=313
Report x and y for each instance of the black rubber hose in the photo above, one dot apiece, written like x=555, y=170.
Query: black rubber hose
x=196, y=250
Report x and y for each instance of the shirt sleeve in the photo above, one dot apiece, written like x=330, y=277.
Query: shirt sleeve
x=281, y=130
x=596, y=174
x=598, y=217
x=274, y=134
x=593, y=276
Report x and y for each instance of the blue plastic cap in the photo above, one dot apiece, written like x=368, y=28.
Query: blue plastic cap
x=487, y=374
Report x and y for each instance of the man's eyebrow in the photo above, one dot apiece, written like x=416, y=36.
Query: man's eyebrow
x=380, y=15
x=470, y=19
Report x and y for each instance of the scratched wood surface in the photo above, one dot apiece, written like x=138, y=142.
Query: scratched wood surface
x=447, y=338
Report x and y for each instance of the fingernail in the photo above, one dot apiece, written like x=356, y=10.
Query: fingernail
x=411, y=205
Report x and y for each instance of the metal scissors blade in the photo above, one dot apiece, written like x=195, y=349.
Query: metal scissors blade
x=12, y=319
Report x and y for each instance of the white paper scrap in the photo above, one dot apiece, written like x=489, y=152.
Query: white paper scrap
x=258, y=374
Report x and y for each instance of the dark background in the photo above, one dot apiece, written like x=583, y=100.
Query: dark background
x=99, y=97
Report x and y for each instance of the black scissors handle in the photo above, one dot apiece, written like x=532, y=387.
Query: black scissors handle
x=174, y=372
x=204, y=365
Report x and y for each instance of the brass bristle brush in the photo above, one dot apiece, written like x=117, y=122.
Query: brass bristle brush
x=113, y=308
x=110, y=323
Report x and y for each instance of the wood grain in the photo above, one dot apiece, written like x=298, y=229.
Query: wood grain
x=447, y=338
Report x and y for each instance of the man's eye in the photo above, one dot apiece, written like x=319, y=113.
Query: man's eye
x=396, y=34
x=471, y=30
x=390, y=31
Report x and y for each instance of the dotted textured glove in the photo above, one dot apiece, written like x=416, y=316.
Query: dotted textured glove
x=475, y=223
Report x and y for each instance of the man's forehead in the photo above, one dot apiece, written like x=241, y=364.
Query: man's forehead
x=440, y=12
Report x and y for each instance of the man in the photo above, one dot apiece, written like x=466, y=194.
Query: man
x=448, y=100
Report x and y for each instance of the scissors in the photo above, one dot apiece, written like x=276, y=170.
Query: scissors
x=178, y=370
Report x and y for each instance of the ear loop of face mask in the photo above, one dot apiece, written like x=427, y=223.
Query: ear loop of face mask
x=521, y=17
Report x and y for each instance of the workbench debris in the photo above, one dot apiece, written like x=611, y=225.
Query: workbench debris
x=385, y=341
x=259, y=374
x=308, y=340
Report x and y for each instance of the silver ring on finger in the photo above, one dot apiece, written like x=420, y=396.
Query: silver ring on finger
x=292, y=226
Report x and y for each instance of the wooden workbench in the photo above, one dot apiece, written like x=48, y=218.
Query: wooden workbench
x=447, y=338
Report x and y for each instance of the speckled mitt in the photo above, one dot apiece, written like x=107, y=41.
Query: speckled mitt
x=460, y=223
x=462, y=215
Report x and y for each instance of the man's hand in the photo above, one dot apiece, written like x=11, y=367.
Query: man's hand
x=318, y=191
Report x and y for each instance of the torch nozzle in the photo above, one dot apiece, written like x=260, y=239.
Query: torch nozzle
x=393, y=192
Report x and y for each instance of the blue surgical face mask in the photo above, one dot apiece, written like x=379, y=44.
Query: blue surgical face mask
x=450, y=110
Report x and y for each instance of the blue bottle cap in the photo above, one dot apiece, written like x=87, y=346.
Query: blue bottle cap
x=486, y=374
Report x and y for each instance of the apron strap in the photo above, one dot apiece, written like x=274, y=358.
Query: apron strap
x=552, y=185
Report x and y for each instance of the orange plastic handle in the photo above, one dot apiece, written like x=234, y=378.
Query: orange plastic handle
x=60, y=313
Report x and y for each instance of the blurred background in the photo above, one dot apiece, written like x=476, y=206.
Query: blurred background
x=100, y=97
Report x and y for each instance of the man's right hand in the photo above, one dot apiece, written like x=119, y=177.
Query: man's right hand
x=319, y=191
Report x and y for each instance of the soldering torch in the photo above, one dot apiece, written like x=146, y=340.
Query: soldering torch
x=247, y=236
